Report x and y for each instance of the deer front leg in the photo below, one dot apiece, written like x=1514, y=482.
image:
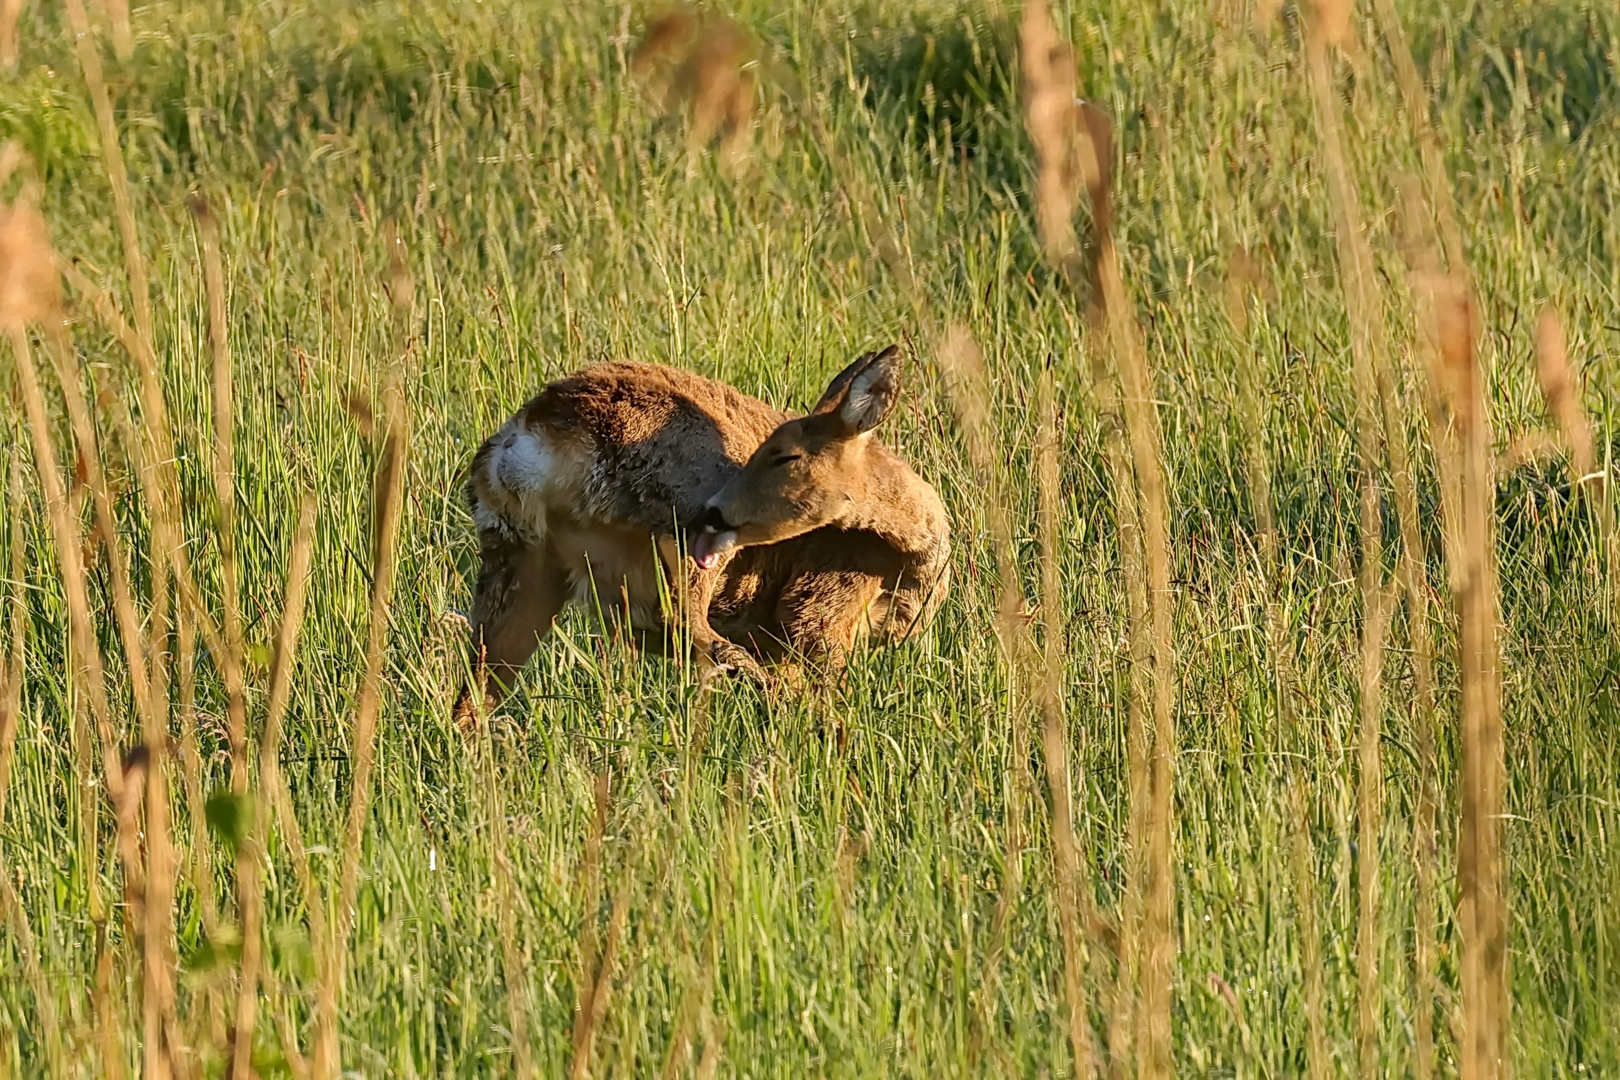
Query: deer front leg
x=521, y=588
x=715, y=655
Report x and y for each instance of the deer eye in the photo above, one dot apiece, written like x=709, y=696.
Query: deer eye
x=783, y=459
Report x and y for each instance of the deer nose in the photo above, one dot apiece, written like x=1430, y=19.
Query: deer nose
x=713, y=520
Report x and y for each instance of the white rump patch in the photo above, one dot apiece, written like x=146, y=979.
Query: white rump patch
x=522, y=463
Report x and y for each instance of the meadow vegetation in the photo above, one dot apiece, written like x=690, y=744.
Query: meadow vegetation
x=1270, y=482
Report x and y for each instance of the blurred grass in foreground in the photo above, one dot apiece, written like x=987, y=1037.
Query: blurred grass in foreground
x=809, y=886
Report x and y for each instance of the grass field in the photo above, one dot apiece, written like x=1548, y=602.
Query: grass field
x=425, y=211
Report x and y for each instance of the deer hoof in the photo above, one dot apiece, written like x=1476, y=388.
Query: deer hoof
x=727, y=658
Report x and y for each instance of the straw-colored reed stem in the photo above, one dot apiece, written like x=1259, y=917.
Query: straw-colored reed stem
x=1416, y=99
x=89, y=671
x=16, y=621
x=589, y=888
x=967, y=384
x=1370, y=811
x=232, y=662
x=1073, y=145
x=11, y=680
x=10, y=12
x=1561, y=386
x=1125, y=343
x=89, y=678
x=250, y=886
x=514, y=972
x=112, y=158
x=1317, y=1066
x=1055, y=729
x=1363, y=304
x=33, y=973
x=1482, y=921
x=389, y=506
x=156, y=934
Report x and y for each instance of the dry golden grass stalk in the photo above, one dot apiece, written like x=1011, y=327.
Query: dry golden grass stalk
x=1334, y=23
x=1416, y=99
x=112, y=158
x=1116, y=452
x=1074, y=144
x=589, y=889
x=11, y=679
x=696, y=1004
x=153, y=453
x=1310, y=934
x=514, y=971
x=967, y=385
x=10, y=12
x=594, y=1008
x=156, y=935
x=1328, y=26
x=1065, y=858
x=232, y=662
x=1482, y=916
x=1371, y=806
x=11, y=665
x=250, y=886
x=1561, y=387
x=11, y=912
x=28, y=291
x=1243, y=277
x=714, y=1041
x=389, y=506
x=89, y=672
x=200, y=865
x=123, y=38
x=159, y=479
x=1414, y=581
x=154, y=914
x=1142, y=429
x=147, y=672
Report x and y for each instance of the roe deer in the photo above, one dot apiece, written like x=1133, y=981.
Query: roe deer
x=800, y=534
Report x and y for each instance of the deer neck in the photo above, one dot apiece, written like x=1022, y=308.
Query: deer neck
x=897, y=506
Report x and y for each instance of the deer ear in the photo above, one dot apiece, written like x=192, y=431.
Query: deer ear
x=833, y=396
x=872, y=393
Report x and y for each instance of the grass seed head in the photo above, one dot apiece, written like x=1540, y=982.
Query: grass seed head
x=1454, y=319
x=1332, y=24
x=30, y=291
x=1053, y=117
x=1560, y=386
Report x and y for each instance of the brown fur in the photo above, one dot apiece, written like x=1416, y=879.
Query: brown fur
x=606, y=474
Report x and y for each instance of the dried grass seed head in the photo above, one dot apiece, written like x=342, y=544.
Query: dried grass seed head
x=1052, y=116
x=30, y=291
x=1454, y=329
x=1562, y=389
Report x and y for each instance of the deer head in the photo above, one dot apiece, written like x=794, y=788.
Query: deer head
x=811, y=472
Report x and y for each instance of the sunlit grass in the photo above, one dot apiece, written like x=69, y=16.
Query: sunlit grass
x=810, y=886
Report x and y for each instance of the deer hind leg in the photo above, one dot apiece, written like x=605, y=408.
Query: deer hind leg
x=521, y=588
x=715, y=654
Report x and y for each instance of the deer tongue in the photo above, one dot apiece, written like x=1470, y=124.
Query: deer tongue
x=708, y=546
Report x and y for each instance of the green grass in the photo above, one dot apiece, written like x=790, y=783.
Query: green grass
x=832, y=863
